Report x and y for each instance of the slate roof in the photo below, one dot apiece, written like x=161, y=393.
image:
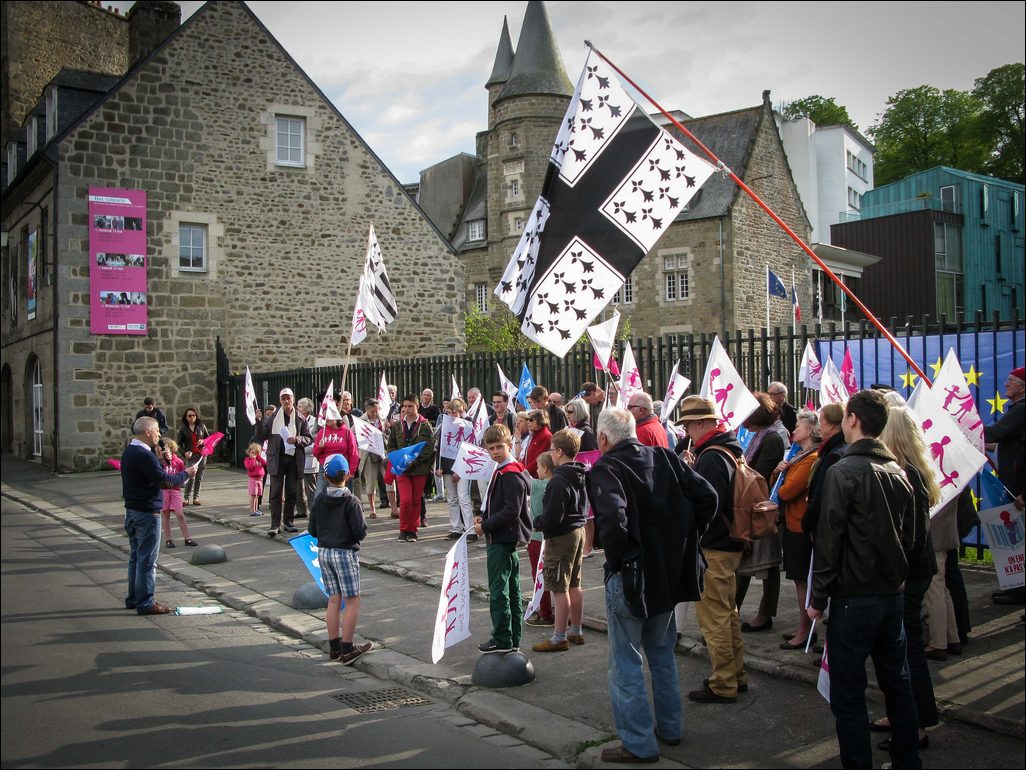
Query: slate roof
x=537, y=66
x=503, y=57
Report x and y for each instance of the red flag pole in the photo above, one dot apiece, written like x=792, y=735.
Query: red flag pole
x=783, y=225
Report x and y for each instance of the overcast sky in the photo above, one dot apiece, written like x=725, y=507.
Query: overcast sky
x=410, y=76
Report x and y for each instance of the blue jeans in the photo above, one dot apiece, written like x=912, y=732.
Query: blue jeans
x=860, y=627
x=628, y=635
x=143, y=528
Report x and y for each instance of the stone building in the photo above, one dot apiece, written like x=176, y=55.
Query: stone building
x=258, y=199
x=707, y=273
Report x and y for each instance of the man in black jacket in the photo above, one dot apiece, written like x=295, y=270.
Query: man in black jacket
x=717, y=452
x=650, y=509
x=285, y=459
x=860, y=567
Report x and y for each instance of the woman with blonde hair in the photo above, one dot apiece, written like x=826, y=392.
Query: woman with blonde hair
x=904, y=438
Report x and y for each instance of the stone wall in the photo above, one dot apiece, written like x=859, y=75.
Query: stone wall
x=194, y=128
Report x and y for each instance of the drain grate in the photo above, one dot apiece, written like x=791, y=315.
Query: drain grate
x=380, y=700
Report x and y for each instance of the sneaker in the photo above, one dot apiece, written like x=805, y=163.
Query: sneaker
x=348, y=658
x=538, y=621
x=411, y=537
x=290, y=528
x=705, y=695
x=472, y=538
x=255, y=513
x=454, y=536
x=170, y=544
x=272, y=532
x=550, y=646
x=575, y=638
x=402, y=537
x=740, y=687
x=491, y=646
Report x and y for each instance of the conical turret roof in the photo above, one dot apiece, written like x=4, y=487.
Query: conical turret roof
x=503, y=58
x=537, y=66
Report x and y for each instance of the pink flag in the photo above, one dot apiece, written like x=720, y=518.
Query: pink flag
x=116, y=464
x=810, y=405
x=210, y=444
x=848, y=373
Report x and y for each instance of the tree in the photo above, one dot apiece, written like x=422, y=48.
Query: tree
x=1003, y=92
x=823, y=111
x=924, y=127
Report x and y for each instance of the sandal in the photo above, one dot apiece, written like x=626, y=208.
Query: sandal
x=190, y=542
x=170, y=543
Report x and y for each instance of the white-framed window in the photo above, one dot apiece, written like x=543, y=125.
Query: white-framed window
x=854, y=199
x=857, y=166
x=518, y=224
x=677, y=277
x=51, y=113
x=514, y=188
x=477, y=230
x=947, y=196
x=192, y=247
x=514, y=139
x=31, y=135
x=625, y=294
x=290, y=141
x=12, y=161
x=37, y=410
x=481, y=296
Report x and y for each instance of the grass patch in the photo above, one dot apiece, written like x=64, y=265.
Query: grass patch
x=978, y=556
x=585, y=745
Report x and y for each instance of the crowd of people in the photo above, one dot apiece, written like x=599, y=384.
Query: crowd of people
x=659, y=499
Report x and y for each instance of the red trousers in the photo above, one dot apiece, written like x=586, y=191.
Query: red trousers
x=411, y=490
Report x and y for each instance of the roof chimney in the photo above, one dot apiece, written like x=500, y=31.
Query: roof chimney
x=149, y=24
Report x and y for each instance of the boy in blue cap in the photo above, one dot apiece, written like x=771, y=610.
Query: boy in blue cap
x=336, y=521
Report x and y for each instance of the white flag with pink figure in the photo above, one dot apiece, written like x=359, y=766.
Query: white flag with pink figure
x=478, y=417
x=951, y=388
x=811, y=371
x=831, y=386
x=955, y=461
x=368, y=438
x=674, y=392
x=384, y=398
x=724, y=386
x=454, y=432
x=473, y=462
x=359, y=329
x=452, y=622
x=630, y=376
x=851, y=383
x=539, y=585
x=602, y=337
x=507, y=386
x=328, y=400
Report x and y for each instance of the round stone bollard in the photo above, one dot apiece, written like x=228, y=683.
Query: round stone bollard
x=208, y=554
x=503, y=669
x=309, y=597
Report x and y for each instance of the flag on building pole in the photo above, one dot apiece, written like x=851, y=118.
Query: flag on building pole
x=794, y=302
x=811, y=371
x=322, y=413
x=375, y=302
x=602, y=337
x=831, y=386
x=250, y=397
x=384, y=398
x=507, y=386
x=674, y=392
x=724, y=386
x=616, y=184
x=774, y=288
x=452, y=622
x=851, y=383
x=951, y=388
x=630, y=376
x=526, y=386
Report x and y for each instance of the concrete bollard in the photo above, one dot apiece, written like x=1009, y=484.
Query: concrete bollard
x=208, y=554
x=503, y=669
x=309, y=597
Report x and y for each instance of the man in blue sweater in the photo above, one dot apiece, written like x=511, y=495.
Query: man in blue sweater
x=142, y=478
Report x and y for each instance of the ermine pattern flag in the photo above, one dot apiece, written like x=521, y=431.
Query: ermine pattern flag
x=955, y=461
x=473, y=462
x=368, y=438
x=851, y=383
x=722, y=383
x=250, y=397
x=329, y=399
x=615, y=183
x=811, y=371
x=375, y=302
x=630, y=376
x=452, y=622
x=831, y=386
x=951, y=388
x=674, y=392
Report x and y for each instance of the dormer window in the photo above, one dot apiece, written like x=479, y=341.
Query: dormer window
x=31, y=132
x=12, y=161
x=477, y=230
x=51, y=113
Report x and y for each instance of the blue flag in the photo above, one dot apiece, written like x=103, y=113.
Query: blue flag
x=306, y=548
x=775, y=494
x=994, y=492
x=526, y=386
x=744, y=437
x=775, y=286
x=401, y=459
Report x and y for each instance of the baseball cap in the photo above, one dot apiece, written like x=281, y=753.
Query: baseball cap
x=286, y=392
x=336, y=467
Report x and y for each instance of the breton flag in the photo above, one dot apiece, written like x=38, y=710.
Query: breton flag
x=811, y=371
x=951, y=388
x=674, y=392
x=375, y=302
x=452, y=622
x=615, y=183
x=722, y=383
x=831, y=386
x=507, y=386
x=250, y=397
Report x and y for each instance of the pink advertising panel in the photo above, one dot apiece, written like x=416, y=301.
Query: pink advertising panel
x=117, y=261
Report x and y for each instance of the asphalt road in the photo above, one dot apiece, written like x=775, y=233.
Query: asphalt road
x=87, y=684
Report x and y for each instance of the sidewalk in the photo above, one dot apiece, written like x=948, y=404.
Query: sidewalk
x=984, y=687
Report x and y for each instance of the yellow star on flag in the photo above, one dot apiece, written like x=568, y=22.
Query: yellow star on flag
x=937, y=367
x=972, y=377
x=997, y=404
x=908, y=379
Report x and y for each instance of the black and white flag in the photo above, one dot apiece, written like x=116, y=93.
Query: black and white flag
x=615, y=182
x=375, y=302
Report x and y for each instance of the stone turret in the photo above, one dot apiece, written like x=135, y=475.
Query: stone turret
x=503, y=64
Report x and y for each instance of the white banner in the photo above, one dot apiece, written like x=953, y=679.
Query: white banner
x=539, y=585
x=473, y=462
x=368, y=438
x=1004, y=527
x=602, y=336
x=250, y=397
x=674, y=392
x=454, y=433
x=455, y=390
x=507, y=386
x=831, y=387
x=951, y=388
x=329, y=398
x=724, y=386
x=811, y=371
x=384, y=398
x=452, y=623
x=630, y=376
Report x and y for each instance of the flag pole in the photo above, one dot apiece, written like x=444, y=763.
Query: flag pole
x=345, y=369
x=751, y=194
